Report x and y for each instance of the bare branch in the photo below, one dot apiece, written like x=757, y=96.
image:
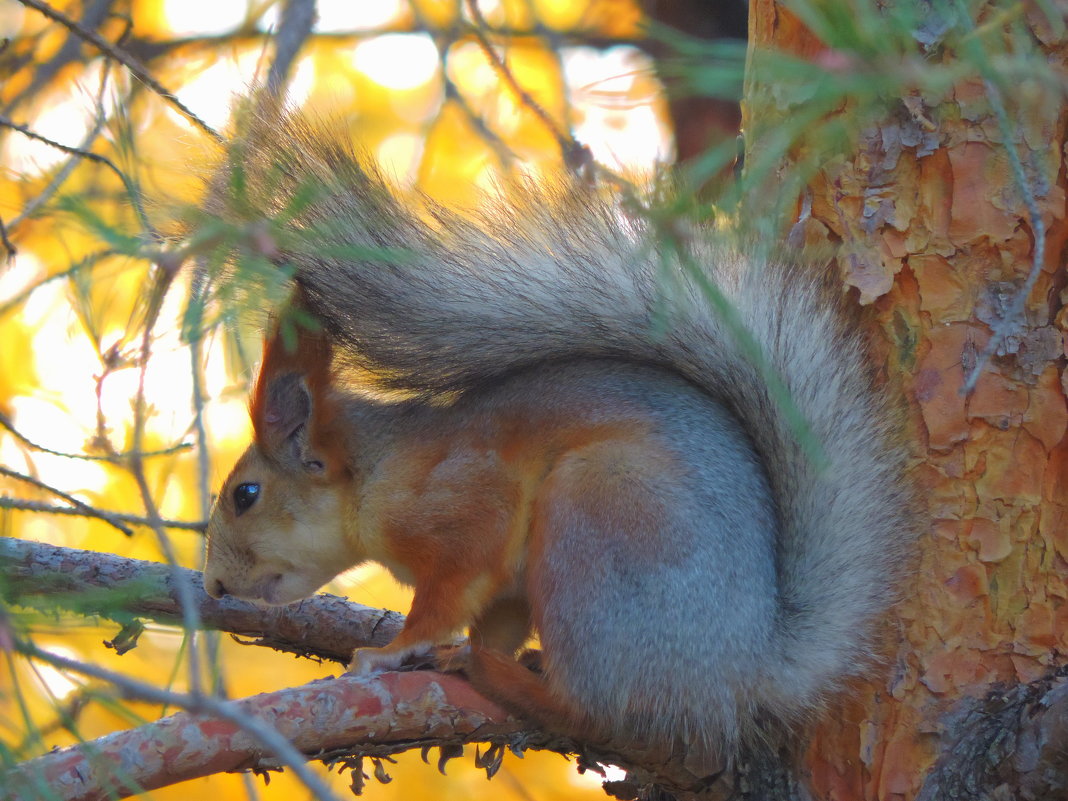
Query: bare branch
x=114, y=457
x=336, y=720
x=372, y=717
x=324, y=626
x=95, y=773
x=46, y=508
x=298, y=17
x=403, y=710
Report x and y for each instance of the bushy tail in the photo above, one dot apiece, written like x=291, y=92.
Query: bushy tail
x=433, y=301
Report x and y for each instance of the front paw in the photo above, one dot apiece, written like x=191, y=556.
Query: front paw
x=368, y=661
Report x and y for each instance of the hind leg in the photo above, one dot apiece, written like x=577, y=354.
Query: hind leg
x=489, y=661
x=524, y=693
x=593, y=497
x=503, y=628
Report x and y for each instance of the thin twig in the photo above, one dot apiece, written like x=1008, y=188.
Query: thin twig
x=89, y=510
x=124, y=58
x=7, y=502
x=131, y=190
x=94, y=13
x=196, y=45
x=505, y=155
x=294, y=28
x=443, y=41
x=60, y=177
x=8, y=247
x=190, y=617
x=196, y=300
x=552, y=38
x=195, y=702
x=64, y=172
x=67, y=714
x=113, y=458
x=68, y=149
x=79, y=265
x=576, y=155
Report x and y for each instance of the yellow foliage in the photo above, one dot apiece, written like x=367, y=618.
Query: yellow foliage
x=618, y=18
x=17, y=376
x=458, y=157
x=67, y=353
x=439, y=13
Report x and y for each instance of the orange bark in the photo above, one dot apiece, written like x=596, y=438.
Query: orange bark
x=987, y=600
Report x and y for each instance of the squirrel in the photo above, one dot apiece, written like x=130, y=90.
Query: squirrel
x=585, y=448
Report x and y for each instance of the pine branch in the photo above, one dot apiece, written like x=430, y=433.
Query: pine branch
x=322, y=720
x=325, y=626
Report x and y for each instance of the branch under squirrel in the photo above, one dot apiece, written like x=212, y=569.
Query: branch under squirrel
x=340, y=721
x=389, y=713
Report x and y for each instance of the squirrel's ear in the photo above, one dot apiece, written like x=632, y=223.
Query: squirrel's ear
x=285, y=423
x=294, y=411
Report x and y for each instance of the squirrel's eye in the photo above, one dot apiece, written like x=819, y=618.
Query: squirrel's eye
x=245, y=495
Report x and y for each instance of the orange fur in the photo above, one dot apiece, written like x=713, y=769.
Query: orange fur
x=502, y=679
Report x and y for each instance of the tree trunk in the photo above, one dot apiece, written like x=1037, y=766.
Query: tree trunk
x=932, y=227
x=699, y=122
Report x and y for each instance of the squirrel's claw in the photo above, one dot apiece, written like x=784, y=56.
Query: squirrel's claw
x=368, y=661
x=452, y=658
